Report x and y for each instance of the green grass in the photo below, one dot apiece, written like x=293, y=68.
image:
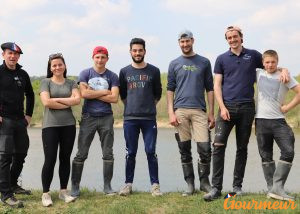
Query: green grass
x=138, y=202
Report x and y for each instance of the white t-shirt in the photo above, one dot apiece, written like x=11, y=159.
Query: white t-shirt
x=271, y=94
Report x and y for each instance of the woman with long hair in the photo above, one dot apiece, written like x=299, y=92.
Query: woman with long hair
x=58, y=94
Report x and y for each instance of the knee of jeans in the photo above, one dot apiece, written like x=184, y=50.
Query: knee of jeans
x=80, y=158
x=186, y=158
x=218, y=147
x=151, y=155
x=108, y=157
x=130, y=156
x=287, y=156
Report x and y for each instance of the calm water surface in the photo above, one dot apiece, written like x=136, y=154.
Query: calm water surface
x=170, y=172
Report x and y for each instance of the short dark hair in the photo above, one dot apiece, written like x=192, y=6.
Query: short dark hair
x=270, y=53
x=52, y=57
x=138, y=41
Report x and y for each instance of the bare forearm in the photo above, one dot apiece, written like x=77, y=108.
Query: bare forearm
x=211, y=103
x=170, y=101
x=55, y=105
x=69, y=101
x=91, y=94
x=109, y=98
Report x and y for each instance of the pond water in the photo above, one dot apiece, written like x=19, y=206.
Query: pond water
x=170, y=171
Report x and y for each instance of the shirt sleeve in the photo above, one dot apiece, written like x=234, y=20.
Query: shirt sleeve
x=115, y=80
x=292, y=83
x=74, y=84
x=157, y=89
x=123, y=85
x=83, y=76
x=44, y=85
x=218, y=69
x=171, y=85
x=29, y=94
x=208, y=83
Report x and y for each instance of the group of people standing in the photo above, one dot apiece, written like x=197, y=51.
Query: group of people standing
x=139, y=86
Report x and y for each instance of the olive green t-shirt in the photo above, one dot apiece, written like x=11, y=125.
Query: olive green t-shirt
x=58, y=117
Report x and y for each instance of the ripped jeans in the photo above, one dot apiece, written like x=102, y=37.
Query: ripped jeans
x=241, y=116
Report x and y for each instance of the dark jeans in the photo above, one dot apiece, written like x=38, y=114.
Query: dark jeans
x=62, y=136
x=131, y=132
x=241, y=116
x=88, y=127
x=14, y=144
x=268, y=130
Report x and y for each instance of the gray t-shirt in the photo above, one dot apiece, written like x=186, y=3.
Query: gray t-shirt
x=271, y=94
x=58, y=117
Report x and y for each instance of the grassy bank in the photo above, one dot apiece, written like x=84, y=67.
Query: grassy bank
x=293, y=116
x=138, y=202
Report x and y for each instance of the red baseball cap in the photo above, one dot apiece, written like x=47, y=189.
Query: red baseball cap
x=100, y=49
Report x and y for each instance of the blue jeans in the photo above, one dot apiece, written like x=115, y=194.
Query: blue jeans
x=131, y=133
x=268, y=130
x=241, y=116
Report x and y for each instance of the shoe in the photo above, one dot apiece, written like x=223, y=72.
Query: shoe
x=46, y=199
x=19, y=190
x=65, y=196
x=127, y=190
x=238, y=191
x=155, y=190
x=212, y=195
x=189, y=177
x=13, y=202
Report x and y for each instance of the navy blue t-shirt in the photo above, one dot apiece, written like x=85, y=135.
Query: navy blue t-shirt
x=97, y=81
x=239, y=74
x=189, y=78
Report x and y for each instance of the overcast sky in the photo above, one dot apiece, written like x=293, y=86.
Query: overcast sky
x=75, y=27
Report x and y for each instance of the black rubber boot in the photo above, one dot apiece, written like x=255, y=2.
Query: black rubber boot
x=281, y=173
x=269, y=169
x=189, y=177
x=77, y=168
x=108, y=168
x=204, y=171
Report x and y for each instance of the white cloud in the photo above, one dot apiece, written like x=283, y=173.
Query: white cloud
x=13, y=7
x=207, y=7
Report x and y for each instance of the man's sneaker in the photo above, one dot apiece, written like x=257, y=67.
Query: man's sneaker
x=126, y=190
x=65, y=196
x=155, y=190
x=212, y=195
x=19, y=190
x=238, y=191
x=46, y=199
x=13, y=202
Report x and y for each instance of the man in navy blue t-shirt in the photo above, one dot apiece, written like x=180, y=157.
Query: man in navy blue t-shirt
x=235, y=74
x=99, y=87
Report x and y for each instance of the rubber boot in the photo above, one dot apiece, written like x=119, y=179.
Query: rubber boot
x=108, y=168
x=281, y=173
x=189, y=177
x=269, y=169
x=77, y=168
x=204, y=171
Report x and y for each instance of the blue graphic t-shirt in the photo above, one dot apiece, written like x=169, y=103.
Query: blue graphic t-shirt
x=97, y=81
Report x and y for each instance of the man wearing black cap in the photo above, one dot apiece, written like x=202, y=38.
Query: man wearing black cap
x=14, y=141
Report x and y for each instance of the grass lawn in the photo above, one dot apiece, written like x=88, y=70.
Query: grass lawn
x=140, y=202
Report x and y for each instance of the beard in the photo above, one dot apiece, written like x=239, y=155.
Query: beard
x=138, y=61
x=188, y=51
